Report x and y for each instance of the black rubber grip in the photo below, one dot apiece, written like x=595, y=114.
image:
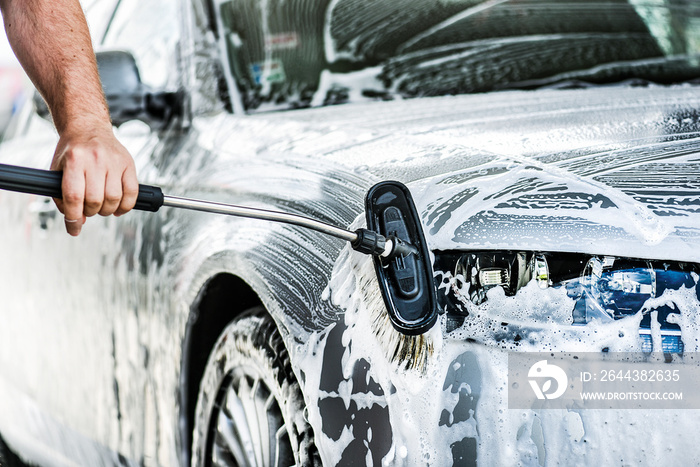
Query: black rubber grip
x=48, y=183
x=150, y=198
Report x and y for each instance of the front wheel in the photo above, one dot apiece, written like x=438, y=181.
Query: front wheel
x=250, y=410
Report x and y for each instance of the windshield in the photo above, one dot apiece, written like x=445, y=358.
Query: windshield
x=287, y=54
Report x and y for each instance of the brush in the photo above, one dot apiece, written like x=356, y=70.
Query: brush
x=397, y=304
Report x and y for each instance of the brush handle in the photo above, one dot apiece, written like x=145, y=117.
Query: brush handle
x=48, y=183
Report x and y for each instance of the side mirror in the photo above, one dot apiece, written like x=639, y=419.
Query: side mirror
x=127, y=97
x=122, y=86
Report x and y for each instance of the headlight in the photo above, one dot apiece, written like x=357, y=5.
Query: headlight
x=603, y=288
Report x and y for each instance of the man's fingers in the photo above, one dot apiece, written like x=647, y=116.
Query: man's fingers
x=74, y=226
x=73, y=188
x=130, y=191
x=87, y=196
x=95, y=185
x=59, y=205
x=112, y=196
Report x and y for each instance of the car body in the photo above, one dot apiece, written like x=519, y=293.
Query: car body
x=105, y=339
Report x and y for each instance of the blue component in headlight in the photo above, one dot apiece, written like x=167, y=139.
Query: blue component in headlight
x=612, y=291
x=670, y=341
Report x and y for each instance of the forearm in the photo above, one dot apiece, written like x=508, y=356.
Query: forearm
x=52, y=42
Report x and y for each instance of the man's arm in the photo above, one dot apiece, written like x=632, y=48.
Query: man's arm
x=52, y=42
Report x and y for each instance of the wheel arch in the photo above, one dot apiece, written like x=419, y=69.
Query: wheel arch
x=220, y=300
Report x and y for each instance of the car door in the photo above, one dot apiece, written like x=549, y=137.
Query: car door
x=72, y=354
x=150, y=32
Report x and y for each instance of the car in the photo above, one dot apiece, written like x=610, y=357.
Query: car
x=552, y=150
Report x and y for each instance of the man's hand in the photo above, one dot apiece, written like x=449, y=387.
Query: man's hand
x=99, y=176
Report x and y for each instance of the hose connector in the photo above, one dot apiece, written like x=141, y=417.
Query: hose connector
x=369, y=242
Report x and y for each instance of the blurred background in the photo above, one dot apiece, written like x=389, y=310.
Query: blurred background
x=13, y=82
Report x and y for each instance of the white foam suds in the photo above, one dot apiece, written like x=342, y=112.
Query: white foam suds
x=424, y=408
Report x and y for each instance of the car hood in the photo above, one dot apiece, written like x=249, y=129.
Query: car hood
x=613, y=170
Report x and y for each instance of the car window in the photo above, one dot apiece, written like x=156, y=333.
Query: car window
x=274, y=50
x=98, y=13
x=284, y=55
x=149, y=30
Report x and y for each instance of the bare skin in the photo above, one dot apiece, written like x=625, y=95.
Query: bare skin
x=52, y=42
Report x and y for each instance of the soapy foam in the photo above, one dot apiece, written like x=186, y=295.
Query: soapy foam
x=423, y=408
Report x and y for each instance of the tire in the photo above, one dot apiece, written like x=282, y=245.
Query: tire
x=250, y=410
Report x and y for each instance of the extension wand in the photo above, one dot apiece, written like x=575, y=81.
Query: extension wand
x=394, y=237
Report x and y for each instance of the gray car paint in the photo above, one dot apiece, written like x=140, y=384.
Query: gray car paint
x=601, y=171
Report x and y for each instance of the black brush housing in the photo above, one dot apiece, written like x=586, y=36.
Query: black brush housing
x=406, y=281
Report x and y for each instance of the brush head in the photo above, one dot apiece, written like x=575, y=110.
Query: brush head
x=354, y=287
x=405, y=274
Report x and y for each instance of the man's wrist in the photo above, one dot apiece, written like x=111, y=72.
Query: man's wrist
x=85, y=124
